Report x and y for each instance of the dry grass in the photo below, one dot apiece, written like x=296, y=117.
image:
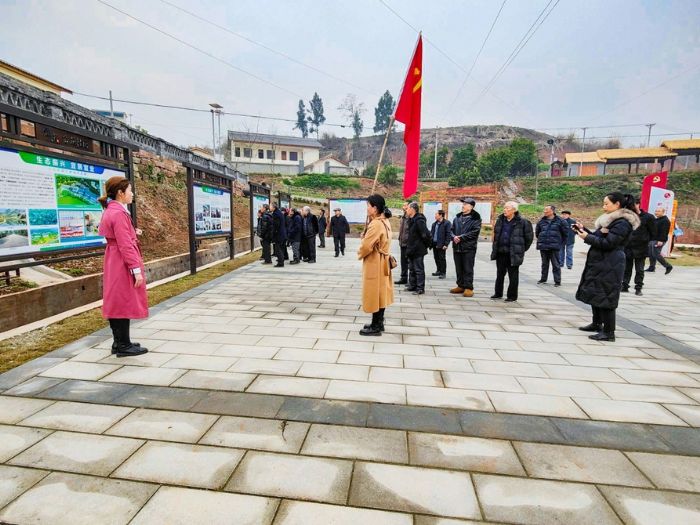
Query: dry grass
x=25, y=347
x=687, y=258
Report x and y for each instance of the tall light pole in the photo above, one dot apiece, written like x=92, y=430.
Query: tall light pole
x=435, y=157
x=215, y=108
x=583, y=148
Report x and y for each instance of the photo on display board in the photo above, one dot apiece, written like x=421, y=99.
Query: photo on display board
x=77, y=192
x=40, y=236
x=43, y=217
x=71, y=224
x=13, y=217
x=92, y=223
x=13, y=238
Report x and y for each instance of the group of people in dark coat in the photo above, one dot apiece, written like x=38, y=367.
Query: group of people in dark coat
x=279, y=228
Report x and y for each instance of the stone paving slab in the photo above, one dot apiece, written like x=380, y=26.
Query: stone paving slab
x=259, y=389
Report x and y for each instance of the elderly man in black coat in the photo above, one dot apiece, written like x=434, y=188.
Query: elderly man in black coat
x=662, y=227
x=512, y=237
x=279, y=233
x=266, y=233
x=339, y=227
x=466, y=227
x=552, y=232
x=637, y=249
x=440, y=237
x=322, y=224
x=294, y=235
x=417, y=248
x=309, y=231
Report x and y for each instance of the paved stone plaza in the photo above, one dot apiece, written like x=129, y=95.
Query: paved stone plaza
x=260, y=403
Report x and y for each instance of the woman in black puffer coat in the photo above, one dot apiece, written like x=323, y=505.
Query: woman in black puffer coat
x=602, y=276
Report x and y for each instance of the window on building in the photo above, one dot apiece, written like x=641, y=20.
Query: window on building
x=284, y=155
x=248, y=153
x=261, y=153
x=270, y=154
x=237, y=151
x=294, y=155
x=4, y=126
x=27, y=128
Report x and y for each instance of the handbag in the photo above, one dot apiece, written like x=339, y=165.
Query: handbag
x=393, y=263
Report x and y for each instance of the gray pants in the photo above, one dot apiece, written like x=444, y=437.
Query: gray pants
x=295, y=250
x=655, y=255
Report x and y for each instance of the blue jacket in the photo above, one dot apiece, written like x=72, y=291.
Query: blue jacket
x=551, y=234
x=571, y=234
x=279, y=227
x=443, y=234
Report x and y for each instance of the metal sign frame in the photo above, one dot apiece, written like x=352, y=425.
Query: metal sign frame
x=196, y=175
x=262, y=191
x=280, y=195
x=62, y=152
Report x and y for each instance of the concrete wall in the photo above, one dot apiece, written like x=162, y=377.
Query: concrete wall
x=25, y=307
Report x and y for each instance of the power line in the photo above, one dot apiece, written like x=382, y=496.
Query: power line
x=267, y=48
x=518, y=48
x=200, y=50
x=439, y=50
x=592, y=127
x=197, y=110
x=483, y=44
x=644, y=135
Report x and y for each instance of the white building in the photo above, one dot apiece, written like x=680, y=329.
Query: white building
x=260, y=153
x=330, y=166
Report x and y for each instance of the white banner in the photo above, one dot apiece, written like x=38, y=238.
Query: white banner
x=258, y=201
x=355, y=210
x=429, y=210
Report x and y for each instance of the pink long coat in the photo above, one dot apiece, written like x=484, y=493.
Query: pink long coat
x=120, y=299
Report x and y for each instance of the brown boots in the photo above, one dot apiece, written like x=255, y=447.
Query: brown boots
x=457, y=290
x=468, y=293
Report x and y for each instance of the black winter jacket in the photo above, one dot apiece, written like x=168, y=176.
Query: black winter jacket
x=443, y=236
x=551, y=234
x=403, y=231
x=570, y=233
x=638, y=245
x=418, y=237
x=279, y=227
x=663, y=227
x=339, y=226
x=266, y=227
x=309, y=225
x=294, y=232
x=322, y=223
x=521, y=238
x=602, y=276
x=467, y=227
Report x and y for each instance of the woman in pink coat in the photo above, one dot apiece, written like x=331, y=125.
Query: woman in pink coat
x=124, y=285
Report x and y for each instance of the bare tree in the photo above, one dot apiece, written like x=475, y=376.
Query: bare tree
x=353, y=113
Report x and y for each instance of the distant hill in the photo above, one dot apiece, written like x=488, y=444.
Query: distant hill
x=483, y=137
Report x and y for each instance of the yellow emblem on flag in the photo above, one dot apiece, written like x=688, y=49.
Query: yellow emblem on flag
x=416, y=72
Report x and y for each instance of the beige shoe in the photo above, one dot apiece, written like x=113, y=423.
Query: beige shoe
x=468, y=293
x=457, y=290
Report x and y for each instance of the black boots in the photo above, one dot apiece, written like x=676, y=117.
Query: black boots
x=593, y=327
x=376, y=327
x=602, y=336
x=122, y=346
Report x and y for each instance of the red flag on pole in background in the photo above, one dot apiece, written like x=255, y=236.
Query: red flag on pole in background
x=408, y=112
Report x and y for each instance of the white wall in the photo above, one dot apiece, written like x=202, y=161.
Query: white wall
x=306, y=154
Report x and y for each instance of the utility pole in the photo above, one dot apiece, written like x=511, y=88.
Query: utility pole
x=215, y=108
x=111, y=105
x=435, y=158
x=583, y=148
x=687, y=157
x=649, y=135
x=219, y=126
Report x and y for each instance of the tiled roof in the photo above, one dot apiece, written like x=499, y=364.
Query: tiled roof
x=261, y=138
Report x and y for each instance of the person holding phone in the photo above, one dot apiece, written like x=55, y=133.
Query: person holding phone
x=601, y=280
x=124, y=284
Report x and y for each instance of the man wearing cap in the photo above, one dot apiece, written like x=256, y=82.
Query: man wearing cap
x=339, y=227
x=466, y=227
x=439, y=233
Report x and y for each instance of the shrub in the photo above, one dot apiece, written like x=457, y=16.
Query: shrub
x=389, y=175
x=321, y=180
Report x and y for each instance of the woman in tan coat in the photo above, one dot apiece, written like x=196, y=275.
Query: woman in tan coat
x=374, y=251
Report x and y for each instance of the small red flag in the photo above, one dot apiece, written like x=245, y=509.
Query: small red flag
x=408, y=112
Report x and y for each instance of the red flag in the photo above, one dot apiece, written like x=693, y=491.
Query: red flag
x=408, y=112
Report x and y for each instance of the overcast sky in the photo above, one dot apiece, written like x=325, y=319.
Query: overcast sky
x=591, y=63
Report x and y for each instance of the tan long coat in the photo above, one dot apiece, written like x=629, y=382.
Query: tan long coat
x=377, y=285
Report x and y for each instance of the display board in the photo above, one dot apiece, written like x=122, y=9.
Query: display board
x=429, y=210
x=485, y=209
x=49, y=203
x=284, y=203
x=355, y=210
x=663, y=198
x=258, y=201
x=212, y=210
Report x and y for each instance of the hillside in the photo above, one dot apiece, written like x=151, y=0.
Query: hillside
x=483, y=137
